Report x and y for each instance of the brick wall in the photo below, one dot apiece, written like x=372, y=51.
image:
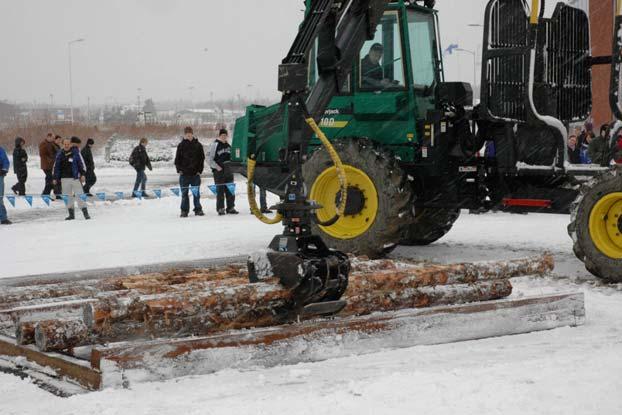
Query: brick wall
x=601, y=27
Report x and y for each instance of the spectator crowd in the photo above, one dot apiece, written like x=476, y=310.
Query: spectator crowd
x=70, y=172
x=585, y=147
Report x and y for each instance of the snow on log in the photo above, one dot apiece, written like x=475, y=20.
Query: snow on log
x=365, y=302
x=393, y=275
x=56, y=335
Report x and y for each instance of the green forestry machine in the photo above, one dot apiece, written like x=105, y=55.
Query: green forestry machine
x=370, y=147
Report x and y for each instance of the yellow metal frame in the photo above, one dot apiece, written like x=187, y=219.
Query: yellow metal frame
x=325, y=190
x=603, y=225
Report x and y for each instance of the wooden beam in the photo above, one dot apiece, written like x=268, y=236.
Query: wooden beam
x=79, y=372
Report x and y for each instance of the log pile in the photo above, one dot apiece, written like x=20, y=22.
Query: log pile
x=62, y=316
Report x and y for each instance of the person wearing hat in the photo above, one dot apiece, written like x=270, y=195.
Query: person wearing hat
x=189, y=162
x=20, y=168
x=69, y=171
x=219, y=155
x=89, y=164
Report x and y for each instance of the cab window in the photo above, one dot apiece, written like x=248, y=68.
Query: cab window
x=422, y=47
x=381, y=64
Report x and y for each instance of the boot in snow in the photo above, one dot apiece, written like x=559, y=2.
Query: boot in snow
x=72, y=214
x=85, y=212
x=183, y=214
x=6, y=222
x=221, y=212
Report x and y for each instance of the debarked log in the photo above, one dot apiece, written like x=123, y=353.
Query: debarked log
x=52, y=335
x=395, y=275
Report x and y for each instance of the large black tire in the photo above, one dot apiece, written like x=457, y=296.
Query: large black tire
x=430, y=225
x=393, y=190
x=596, y=262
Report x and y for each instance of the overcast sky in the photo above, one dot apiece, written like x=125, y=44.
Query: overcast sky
x=165, y=47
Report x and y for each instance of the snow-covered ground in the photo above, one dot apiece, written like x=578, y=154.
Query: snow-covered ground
x=564, y=371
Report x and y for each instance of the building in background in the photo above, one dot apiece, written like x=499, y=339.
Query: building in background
x=601, y=27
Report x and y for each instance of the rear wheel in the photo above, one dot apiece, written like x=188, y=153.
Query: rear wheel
x=378, y=200
x=430, y=225
x=596, y=226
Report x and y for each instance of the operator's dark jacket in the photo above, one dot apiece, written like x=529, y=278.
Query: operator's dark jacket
x=139, y=159
x=87, y=155
x=371, y=73
x=20, y=157
x=190, y=157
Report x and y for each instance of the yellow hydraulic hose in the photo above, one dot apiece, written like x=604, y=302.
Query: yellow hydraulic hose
x=341, y=172
x=250, y=190
x=343, y=180
x=535, y=11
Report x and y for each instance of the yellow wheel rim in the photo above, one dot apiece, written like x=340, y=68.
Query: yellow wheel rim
x=325, y=191
x=606, y=224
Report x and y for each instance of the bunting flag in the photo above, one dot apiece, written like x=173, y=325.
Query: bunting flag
x=196, y=191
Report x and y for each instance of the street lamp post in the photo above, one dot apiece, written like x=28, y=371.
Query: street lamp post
x=70, y=77
x=474, y=54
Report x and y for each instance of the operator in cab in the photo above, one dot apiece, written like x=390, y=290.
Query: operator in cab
x=372, y=74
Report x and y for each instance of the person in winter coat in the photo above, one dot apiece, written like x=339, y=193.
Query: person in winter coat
x=20, y=168
x=574, y=156
x=219, y=153
x=4, y=169
x=189, y=162
x=58, y=144
x=584, y=156
x=617, y=150
x=69, y=170
x=139, y=159
x=47, y=153
x=599, y=149
x=89, y=165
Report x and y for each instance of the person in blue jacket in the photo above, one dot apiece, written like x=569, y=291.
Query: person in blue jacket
x=69, y=170
x=4, y=169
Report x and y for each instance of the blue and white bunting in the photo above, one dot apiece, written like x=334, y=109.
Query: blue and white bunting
x=175, y=190
x=119, y=195
x=194, y=190
x=158, y=193
x=11, y=200
x=83, y=197
x=231, y=188
x=46, y=199
x=213, y=188
x=138, y=194
x=101, y=196
x=65, y=199
x=28, y=199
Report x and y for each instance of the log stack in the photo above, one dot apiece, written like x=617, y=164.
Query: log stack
x=63, y=316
